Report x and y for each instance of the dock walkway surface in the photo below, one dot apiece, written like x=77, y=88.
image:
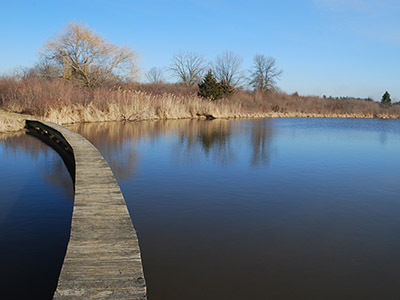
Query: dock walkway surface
x=103, y=259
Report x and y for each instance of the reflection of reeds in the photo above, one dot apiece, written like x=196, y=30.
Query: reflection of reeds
x=4, y=136
x=19, y=143
x=117, y=133
x=117, y=141
x=12, y=143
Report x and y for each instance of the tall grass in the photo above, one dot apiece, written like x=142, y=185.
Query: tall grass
x=10, y=124
x=64, y=102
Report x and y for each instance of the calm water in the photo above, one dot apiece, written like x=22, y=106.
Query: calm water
x=262, y=209
x=36, y=196
x=249, y=209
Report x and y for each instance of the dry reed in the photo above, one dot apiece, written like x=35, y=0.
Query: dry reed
x=10, y=122
x=64, y=102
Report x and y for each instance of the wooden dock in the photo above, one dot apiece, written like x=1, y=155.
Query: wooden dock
x=103, y=258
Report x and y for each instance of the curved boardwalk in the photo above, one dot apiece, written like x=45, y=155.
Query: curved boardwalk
x=103, y=257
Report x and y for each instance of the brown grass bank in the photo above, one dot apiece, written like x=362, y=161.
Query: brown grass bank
x=11, y=122
x=65, y=102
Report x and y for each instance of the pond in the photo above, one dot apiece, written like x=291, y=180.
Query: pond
x=36, y=198
x=244, y=209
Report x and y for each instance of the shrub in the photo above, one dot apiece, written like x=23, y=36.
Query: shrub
x=210, y=88
x=227, y=89
x=386, y=101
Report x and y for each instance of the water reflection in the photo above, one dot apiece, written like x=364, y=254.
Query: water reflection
x=213, y=139
x=317, y=221
x=191, y=141
x=35, y=214
x=113, y=139
x=261, y=139
x=19, y=144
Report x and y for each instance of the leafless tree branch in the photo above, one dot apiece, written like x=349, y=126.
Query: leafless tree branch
x=188, y=67
x=265, y=73
x=228, y=68
x=82, y=55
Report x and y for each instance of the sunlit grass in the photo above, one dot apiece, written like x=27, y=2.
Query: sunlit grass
x=64, y=102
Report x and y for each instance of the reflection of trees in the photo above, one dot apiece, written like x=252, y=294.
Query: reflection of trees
x=213, y=137
x=14, y=143
x=54, y=171
x=112, y=141
x=261, y=135
x=117, y=141
x=51, y=171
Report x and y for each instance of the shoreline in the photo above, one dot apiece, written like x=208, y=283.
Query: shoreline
x=14, y=122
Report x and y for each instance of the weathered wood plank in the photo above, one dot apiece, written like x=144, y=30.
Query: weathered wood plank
x=103, y=257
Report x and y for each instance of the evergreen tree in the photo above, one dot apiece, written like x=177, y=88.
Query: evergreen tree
x=227, y=89
x=210, y=88
x=386, y=101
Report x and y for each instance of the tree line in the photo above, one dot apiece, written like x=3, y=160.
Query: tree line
x=190, y=68
x=80, y=54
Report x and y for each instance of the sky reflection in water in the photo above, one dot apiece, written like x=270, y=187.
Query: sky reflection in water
x=261, y=209
x=35, y=214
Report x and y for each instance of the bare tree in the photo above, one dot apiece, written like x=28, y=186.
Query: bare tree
x=155, y=75
x=46, y=69
x=188, y=67
x=227, y=68
x=82, y=55
x=264, y=73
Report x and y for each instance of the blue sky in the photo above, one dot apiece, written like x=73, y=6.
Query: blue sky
x=331, y=47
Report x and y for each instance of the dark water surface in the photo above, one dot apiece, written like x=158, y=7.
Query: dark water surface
x=248, y=209
x=261, y=209
x=36, y=197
